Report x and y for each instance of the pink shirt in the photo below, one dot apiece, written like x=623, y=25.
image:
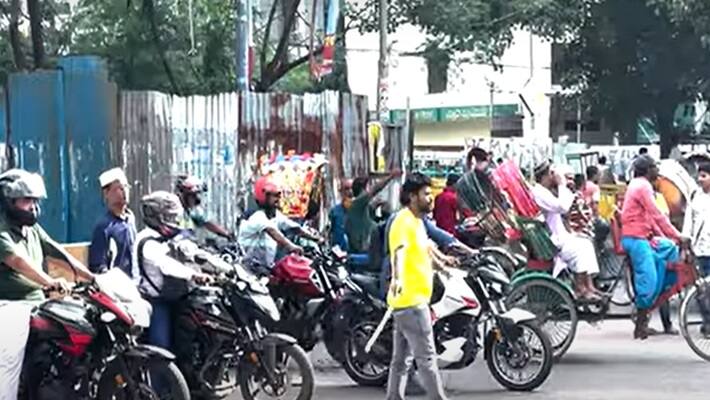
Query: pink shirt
x=591, y=192
x=640, y=218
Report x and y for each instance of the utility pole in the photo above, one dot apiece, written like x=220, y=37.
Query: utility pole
x=243, y=27
x=579, y=119
x=383, y=66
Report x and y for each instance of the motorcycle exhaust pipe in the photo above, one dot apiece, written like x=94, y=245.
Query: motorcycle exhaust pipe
x=378, y=331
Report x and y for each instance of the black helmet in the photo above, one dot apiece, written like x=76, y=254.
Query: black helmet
x=161, y=212
x=16, y=184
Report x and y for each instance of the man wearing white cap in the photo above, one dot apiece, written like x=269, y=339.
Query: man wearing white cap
x=115, y=233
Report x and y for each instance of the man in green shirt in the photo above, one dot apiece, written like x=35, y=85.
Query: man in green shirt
x=24, y=244
x=359, y=224
x=189, y=188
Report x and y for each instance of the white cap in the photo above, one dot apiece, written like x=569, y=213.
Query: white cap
x=113, y=175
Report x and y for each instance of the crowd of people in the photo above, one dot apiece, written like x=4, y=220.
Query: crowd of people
x=409, y=240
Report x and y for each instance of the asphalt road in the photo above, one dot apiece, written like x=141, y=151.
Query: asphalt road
x=603, y=363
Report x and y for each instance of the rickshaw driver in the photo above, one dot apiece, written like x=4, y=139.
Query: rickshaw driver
x=648, y=237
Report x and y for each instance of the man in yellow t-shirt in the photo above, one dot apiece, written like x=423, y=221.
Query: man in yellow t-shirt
x=412, y=256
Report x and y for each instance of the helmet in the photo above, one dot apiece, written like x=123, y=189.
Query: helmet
x=18, y=183
x=263, y=186
x=188, y=184
x=161, y=211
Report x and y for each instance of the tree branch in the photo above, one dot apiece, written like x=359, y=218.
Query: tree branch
x=14, y=31
x=150, y=13
x=282, y=48
x=267, y=34
x=35, y=10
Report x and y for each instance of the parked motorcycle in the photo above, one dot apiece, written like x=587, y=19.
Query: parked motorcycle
x=308, y=290
x=469, y=314
x=222, y=341
x=83, y=346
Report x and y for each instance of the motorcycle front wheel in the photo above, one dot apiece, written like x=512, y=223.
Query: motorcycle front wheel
x=142, y=379
x=281, y=372
x=520, y=363
x=372, y=369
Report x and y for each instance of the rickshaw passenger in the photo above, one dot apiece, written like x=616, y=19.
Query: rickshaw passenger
x=641, y=225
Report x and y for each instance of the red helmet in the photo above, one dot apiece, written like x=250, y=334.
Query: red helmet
x=264, y=186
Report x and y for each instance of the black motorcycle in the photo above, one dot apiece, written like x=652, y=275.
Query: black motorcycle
x=222, y=341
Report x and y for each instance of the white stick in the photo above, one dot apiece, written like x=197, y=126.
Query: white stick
x=378, y=331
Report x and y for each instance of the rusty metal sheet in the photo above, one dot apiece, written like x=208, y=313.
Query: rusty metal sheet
x=220, y=139
x=142, y=145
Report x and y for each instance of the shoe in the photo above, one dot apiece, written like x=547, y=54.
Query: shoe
x=641, y=331
x=652, y=332
x=414, y=385
x=670, y=331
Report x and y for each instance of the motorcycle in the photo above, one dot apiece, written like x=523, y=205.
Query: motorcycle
x=469, y=314
x=83, y=346
x=308, y=290
x=222, y=339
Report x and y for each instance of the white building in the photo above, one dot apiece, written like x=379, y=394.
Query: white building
x=446, y=120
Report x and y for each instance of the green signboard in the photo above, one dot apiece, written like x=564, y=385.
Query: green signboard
x=448, y=114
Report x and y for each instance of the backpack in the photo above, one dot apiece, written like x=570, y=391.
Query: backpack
x=154, y=284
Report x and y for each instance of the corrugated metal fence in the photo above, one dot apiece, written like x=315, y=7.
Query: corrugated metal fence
x=72, y=123
x=220, y=138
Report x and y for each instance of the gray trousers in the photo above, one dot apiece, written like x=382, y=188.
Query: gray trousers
x=414, y=340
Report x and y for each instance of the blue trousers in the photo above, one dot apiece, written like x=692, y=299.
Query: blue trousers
x=649, y=264
x=160, y=332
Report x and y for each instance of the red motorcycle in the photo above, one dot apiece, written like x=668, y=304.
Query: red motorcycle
x=308, y=291
x=83, y=346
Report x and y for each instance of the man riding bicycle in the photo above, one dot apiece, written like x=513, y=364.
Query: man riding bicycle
x=648, y=238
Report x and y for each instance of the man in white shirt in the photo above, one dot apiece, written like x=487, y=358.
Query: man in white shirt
x=262, y=233
x=163, y=278
x=696, y=226
x=555, y=200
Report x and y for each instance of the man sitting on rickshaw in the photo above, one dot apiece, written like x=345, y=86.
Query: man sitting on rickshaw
x=648, y=237
x=575, y=251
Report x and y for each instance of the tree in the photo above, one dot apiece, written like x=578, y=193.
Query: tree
x=634, y=60
x=202, y=63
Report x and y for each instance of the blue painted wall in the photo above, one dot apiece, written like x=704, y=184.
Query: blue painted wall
x=36, y=110
x=61, y=122
x=90, y=115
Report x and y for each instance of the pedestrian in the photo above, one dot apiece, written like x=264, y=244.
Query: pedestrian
x=359, y=223
x=413, y=258
x=446, y=207
x=696, y=226
x=115, y=233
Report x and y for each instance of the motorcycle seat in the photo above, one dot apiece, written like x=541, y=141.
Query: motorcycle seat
x=368, y=283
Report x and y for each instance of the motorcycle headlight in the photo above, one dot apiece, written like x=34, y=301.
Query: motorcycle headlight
x=342, y=273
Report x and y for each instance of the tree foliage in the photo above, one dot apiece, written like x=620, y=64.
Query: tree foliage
x=636, y=59
x=169, y=46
